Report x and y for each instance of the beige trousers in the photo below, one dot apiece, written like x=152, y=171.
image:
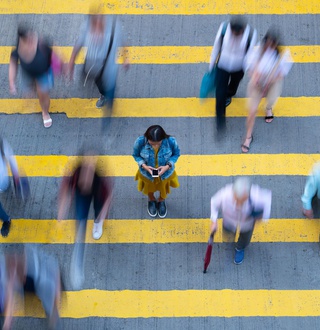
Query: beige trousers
x=255, y=95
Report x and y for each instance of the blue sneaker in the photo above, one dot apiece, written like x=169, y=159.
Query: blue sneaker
x=239, y=256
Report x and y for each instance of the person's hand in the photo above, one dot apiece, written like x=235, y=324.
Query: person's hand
x=126, y=64
x=308, y=213
x=148, y=168
x=13, y=89
x=163, y=169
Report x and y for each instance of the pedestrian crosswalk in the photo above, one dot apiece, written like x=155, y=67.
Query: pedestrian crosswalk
x=183, y=303
x=163, y=7
x=172, y=54
x=168, y=107
x=134, y=288
x=189, y=165
x=144, y=231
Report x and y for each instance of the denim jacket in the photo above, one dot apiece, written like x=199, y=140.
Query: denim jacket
x=143, y=153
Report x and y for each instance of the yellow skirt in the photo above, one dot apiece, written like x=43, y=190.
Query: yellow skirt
x=147, y=186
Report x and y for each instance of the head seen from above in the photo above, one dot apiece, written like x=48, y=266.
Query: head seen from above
x=155, y=134
x=241, y=190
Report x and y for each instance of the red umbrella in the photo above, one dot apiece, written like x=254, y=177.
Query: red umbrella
x=207, y=257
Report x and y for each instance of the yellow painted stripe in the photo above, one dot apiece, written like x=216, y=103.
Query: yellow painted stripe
x=181, y=303
x=162, y=7
x=163, y=107
x=138, y=231
x=188, y=165
x=173, y=54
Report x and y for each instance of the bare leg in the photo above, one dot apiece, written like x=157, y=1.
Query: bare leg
x=151, y=197
x=44, y=100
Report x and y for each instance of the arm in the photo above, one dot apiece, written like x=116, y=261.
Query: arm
x=138, y=144
x=11, y=159
x=77, y=47
x=310, y=190
x=13, y=69
x=261, y=200
x=174, y=157
x=216, y=204
x=216, y=48
x=64, y=198
x=106, y=205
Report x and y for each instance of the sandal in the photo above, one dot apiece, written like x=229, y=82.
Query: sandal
x=269, y=119
x=47, y=123
x=245, y=149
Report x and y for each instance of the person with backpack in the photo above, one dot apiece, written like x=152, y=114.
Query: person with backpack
x=267, y=66
x=156, y=153
x=34, y=56
x=241, y=205
x=102, y=36
x=233, y=42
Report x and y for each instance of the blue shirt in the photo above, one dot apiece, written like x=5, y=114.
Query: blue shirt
x=312, y=187
x=143, y=153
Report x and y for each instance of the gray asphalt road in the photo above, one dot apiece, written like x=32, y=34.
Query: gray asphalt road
x=277, y=266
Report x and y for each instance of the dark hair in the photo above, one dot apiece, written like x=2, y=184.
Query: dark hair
x=155, y=133
x=23, y=31
x=273, y=36
x=238, y=24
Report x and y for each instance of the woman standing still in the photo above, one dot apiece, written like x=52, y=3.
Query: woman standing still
x=156, y=153
x=267, y=67
x=35, y=59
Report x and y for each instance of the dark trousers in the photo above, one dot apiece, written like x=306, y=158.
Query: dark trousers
x=226, y=86
x=244, y=238
x=82, y=212
x=3, y=215
x=108, y=94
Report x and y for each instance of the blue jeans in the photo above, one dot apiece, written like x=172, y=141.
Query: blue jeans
x=82, y=212
x=3, y=215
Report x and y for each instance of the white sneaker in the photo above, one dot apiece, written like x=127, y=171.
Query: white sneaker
x=97, y=230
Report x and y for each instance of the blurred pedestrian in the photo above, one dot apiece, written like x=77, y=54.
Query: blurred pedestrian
x=85, y=185
x=156, y=153
x=234, y=40
x=33, y=272
x=102, y=36
x=311, y=190
x=7, y=160
x=267, y=66
x=34, y=55
x=241, y=205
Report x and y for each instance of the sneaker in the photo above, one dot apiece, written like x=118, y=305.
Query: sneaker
x=101, y=102
x=152, y=208
x=239, y=256
x=162, y=209
x=97, y=230
x=228, y=101
x=5, y=228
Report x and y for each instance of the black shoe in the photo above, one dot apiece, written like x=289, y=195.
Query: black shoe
x=152, y=208
x=101, y=102
x=5, y=228
x=162, y=209
x=228, y=101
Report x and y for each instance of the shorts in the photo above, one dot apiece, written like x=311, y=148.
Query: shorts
x=45, y=81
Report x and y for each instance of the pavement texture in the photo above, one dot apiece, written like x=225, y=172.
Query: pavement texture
x=175, y=266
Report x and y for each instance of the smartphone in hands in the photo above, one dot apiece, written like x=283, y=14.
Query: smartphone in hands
x=155, y=173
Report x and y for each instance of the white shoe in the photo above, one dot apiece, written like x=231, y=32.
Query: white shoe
x=97, y=230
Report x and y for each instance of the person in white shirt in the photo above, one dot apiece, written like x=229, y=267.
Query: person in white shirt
x=267, y=66
x=241, y=205
x=233, y=42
